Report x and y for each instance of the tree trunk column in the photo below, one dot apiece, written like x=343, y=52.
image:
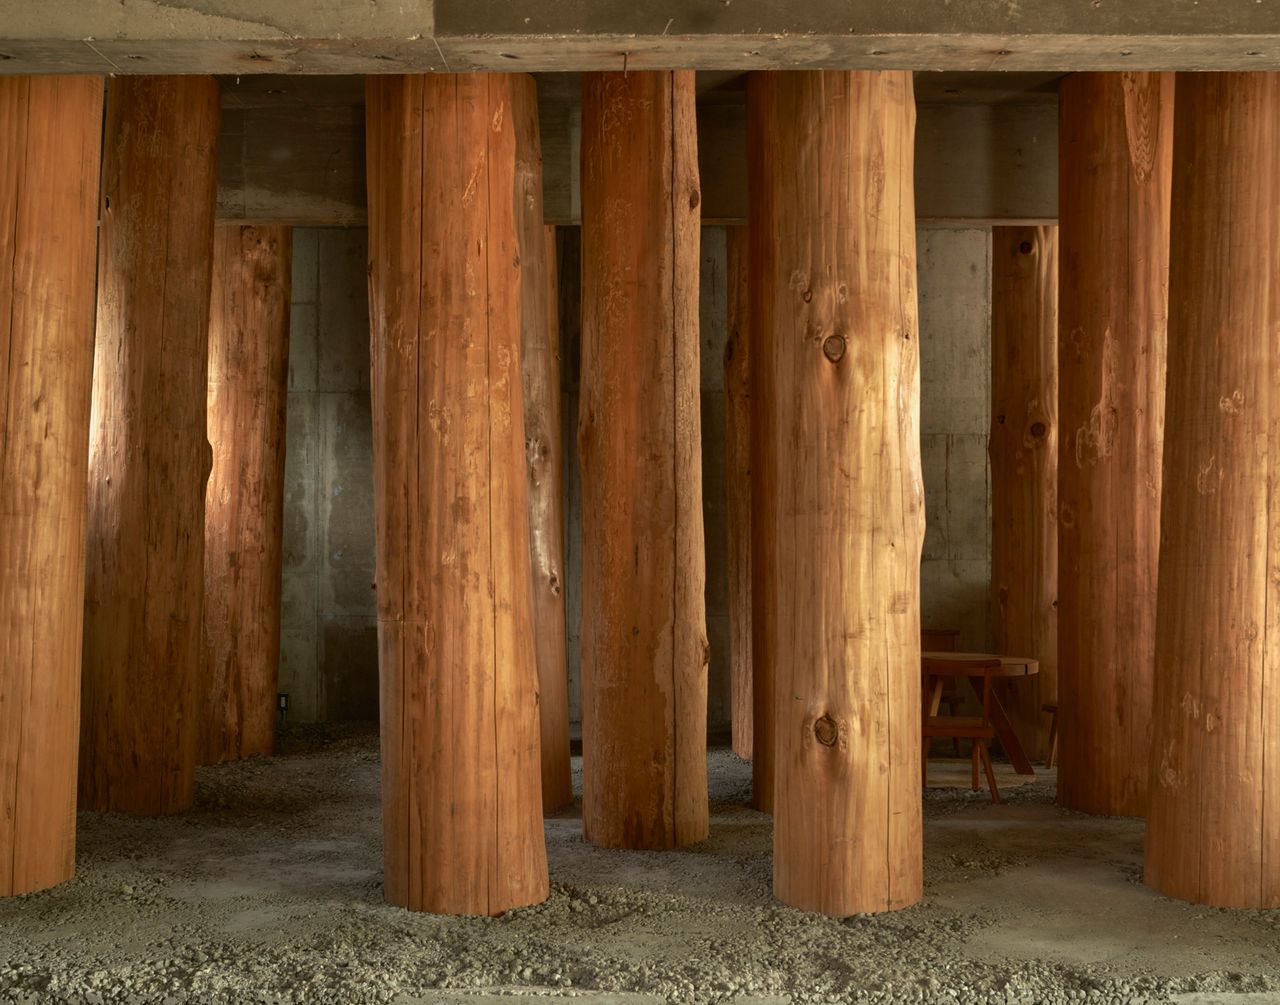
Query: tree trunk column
x=737, y=386
x=148, y=452
x=462, y=803
x=1024, y=467
x=1213, y=834
x=244, y=502
x=837, y=486
x=50, y=149
x=644, y=644
x=1115, y=148
x=540, y=377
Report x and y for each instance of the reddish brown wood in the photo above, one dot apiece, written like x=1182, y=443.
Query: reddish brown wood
x=50, y=149
x=148, y=452
x=244, y=501
x=540, y=376
x=644, y=644
x=1213, y=834
x=838, y=519
x=462, y=806
x=737, y=385
x=1115, y=148
x=1024, y=466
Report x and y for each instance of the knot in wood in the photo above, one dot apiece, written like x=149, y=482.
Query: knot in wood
x=826, y=730
x=1038, y=429
x=1025, y=247
x=833, y=348
x=695, y=198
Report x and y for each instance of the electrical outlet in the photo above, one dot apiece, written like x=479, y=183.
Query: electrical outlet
x=283, y=701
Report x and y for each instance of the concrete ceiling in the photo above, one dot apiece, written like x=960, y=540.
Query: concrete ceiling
x=392, y=36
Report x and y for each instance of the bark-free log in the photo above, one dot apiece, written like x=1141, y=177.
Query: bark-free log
x=244, y=502
x=1024, y=467
x=540, y=376
x=462, y=804
x=1213, y=832
x=148, y=452
x=1115, y=149
x=644, y=644
x=737, y=385
x=50, y=145
x=836, y=466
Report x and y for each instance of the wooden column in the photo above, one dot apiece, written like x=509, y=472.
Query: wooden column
x=1213, y=833
x=1115, y=147
x=644, y=643
x=244, y=502
x=836, y=479
x=540, y=376
x=50, y=148
x=737, y=385
x=462, y=804
x=1024, y=467
x=148, y=452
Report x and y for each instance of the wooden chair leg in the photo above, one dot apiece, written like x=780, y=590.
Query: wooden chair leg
x=991, y=775
x=1053, y=740
x=977, y=748
x=924, y=764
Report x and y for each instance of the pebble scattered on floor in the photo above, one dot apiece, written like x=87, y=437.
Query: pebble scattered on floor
x=269, y=892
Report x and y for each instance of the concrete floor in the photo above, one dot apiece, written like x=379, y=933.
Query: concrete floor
x=269, y=891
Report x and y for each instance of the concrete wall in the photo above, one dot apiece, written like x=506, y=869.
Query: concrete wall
x=954, y=268
x=329, y=646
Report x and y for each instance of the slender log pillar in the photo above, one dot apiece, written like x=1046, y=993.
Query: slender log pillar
x=148, y=452
x=1213, y=833
x=836, y=466
x=540, y=376
x=737, y=384
x=50, y=150
x=1115, y=148
x=644, y=643
x=244, y=501
x=462, y=804
x=1024, y=466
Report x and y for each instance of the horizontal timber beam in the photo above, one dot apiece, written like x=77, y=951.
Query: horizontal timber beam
x=282, y=36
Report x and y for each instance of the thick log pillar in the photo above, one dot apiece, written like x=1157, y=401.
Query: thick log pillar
x=50, y=149
x=1024, y=467
x=1213, y=831
x=1115, y=147
x=462, y=803
x=644, y=643
x=737, y=385
x=540, y=377
x=244, y=501
x=837, y=487
x=148, y=452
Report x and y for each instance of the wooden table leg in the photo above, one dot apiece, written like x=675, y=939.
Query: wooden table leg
x=935, y=696
x=932, y=692
x=1005, y=732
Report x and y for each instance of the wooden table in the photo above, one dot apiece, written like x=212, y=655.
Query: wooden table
x=1010, y=666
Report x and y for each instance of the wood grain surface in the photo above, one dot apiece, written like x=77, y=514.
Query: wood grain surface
x=50, y=151
x=462, y=802
x=644, y=641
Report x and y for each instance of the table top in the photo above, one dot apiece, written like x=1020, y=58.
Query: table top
x=1010, y=666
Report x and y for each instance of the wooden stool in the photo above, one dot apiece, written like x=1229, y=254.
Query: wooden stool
x=1052, y=709
x=979, y=729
